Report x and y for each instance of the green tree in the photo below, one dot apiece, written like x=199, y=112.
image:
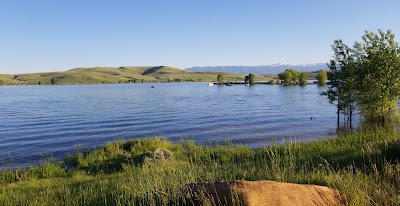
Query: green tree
x=54, y=81
x=289, y=76
x=366, y=76
x=246, y=80
x=342, y=86
x=322, y=77
x=220, y=79
x=303, y=79
x=295, y=75
x=252, y=79
x=378, y=76
x=286, y=76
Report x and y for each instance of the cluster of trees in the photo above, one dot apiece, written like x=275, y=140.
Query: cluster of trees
x=366, y=77
x=291, y=76
x=249, y=79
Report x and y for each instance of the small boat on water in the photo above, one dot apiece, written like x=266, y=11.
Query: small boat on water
x=247, y=84
x=152, y=87
x=228, y=84
x=210, y=84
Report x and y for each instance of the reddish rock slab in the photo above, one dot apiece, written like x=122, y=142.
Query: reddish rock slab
x=263, y=193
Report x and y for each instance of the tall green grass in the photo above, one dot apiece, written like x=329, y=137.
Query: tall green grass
x=154, y=171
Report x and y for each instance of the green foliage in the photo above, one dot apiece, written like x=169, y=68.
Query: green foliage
x=303, y=78
x=289, y=76
x=322, y=77
x=378, y=75
x=342, y=77
x=114, y=155
x=220, y=79
x=366, y=75
x=252, y=79
x=271, y=81
x=246, y=80
x=364, y=167
x=7, y=177
x=54, y=81
x=47, y=170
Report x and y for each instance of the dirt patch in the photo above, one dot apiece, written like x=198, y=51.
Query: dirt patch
x=263, y=193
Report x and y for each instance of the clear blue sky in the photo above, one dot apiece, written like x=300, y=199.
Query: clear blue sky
x=48, y=35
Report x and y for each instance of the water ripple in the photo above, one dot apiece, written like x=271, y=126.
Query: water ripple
x=42, y=121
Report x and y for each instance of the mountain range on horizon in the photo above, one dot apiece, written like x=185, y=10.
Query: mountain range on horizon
x=261, y=69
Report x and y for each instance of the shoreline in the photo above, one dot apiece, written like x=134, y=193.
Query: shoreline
x=157, y=166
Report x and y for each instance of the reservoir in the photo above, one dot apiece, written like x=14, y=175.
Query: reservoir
x=39, y=122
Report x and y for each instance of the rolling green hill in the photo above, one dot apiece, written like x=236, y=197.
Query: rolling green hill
x=108, y=75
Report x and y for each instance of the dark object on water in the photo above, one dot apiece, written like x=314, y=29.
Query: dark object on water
x=152, y=86
x=228, y=84
x=310, y=117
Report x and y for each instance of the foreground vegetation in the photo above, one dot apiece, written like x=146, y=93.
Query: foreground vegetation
x=153, y=171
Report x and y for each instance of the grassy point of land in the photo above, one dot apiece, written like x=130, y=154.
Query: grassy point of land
x=153, y=171
x=111, y=75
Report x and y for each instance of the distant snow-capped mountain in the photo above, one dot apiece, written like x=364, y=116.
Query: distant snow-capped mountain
x=262, y=69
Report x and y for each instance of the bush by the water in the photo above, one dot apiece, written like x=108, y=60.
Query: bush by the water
x=153, y=171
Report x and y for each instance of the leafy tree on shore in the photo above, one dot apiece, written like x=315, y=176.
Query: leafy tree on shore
x=220, y=79
x=252, y=79
x=289, y=76
x=322, y=77
x=378, y=76
x=246, y=80
x=303, y=79
x=54, y=81
x=286, y=76
x=366, y=76
x=342, y=87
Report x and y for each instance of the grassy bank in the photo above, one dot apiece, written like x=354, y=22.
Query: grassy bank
x=153, y=171
x=110, y=75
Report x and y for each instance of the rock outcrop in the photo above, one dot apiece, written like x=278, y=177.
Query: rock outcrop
x=263, y=193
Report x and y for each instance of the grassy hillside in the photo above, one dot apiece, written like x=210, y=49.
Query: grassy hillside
x=365, y=167
x=106, y=75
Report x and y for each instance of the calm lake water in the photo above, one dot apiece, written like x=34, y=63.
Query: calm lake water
x=37, y=122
